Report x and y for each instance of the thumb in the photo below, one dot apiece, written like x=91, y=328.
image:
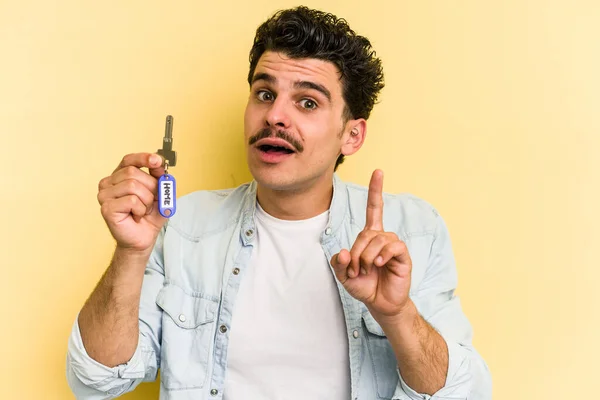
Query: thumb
x=340, y=263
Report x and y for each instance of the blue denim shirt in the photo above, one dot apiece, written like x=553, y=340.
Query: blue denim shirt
x=193, y=275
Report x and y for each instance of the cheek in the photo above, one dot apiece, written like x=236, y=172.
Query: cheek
x=250, y=120
x=324, y=148
x=247, y=114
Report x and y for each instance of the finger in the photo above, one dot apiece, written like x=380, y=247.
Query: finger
x=134, y=173
x=126, y=188
x=340, y=263
x=117, y=210
x=375, y=202
x=373, y=250
x=157, y=172
x=362, y=241
x=104, y=183
x=397, y=250
x=140, y=160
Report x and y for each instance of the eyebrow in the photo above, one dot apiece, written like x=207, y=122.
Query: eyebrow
x=262, y=76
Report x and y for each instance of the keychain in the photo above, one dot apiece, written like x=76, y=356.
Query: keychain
x=166, y=183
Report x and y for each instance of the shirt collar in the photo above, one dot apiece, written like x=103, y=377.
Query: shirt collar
x=337, y=210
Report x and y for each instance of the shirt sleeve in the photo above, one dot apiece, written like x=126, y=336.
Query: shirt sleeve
x=91, y=380
x=468, y=375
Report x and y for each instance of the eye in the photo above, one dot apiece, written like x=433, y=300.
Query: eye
x=308, y=104
x=264, y=95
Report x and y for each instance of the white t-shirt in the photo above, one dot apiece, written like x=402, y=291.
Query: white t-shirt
x=288, y=335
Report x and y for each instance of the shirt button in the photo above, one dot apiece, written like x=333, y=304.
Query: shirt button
x=249, y=232
x=214, y=392
x=223, y=328
x=355, y=334
x=236, y=271
x=182, y=317
x=328, y=231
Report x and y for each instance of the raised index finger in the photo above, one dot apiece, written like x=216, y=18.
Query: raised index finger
x=375, y=202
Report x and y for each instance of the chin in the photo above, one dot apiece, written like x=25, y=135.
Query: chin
x=274, y=177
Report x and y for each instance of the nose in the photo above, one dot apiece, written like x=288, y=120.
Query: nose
x=277, y=114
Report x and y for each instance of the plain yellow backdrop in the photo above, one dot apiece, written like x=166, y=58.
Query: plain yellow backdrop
x=490, y=112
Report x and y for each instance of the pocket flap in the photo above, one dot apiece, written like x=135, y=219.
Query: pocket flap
x=372, y=325
x=186, y=310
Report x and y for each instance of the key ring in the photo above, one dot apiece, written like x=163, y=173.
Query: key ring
x=166, y=166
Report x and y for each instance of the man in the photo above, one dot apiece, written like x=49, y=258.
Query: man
x=295, y=286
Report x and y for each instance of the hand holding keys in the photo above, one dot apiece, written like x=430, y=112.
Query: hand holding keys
x=135, y=203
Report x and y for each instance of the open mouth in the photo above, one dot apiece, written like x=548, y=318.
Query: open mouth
x=269, y=149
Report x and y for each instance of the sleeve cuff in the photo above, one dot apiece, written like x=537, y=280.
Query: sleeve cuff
x=111, y=380
x=458, y=380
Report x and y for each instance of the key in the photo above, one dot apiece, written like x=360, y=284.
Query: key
x=166, y=183
x=167, y=150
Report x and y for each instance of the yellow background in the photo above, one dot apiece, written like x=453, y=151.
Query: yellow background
x=490, y=113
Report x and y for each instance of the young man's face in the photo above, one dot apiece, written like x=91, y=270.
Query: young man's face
x=294, y=125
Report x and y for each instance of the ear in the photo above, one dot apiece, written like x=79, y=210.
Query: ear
x=354, y=136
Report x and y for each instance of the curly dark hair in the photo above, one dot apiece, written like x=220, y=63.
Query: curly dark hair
x=302, y=32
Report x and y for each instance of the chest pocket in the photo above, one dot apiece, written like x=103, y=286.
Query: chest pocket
x=187, y=332
x=383, y=359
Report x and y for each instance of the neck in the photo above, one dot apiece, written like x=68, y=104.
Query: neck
x=297, y=204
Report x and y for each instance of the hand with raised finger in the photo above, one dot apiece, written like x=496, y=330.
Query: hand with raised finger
x=129, y=201
x=377, y=269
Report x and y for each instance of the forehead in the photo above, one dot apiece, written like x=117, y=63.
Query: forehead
x=290, y=70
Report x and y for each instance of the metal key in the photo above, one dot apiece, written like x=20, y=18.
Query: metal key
x=167, y=151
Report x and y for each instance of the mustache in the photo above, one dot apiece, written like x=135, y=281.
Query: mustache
x=266, y=132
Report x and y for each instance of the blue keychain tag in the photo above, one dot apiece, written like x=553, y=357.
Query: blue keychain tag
x=166, y=195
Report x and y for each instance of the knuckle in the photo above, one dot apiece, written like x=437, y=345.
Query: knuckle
x=402, y=246
x=392, y=235
x=130, y=171
x=127, y=158
x=381, y=239
x=131, y=185
x=385, y=249
x=105, y=209
x=366, y=234
x=144, y=197
x=149, y=197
